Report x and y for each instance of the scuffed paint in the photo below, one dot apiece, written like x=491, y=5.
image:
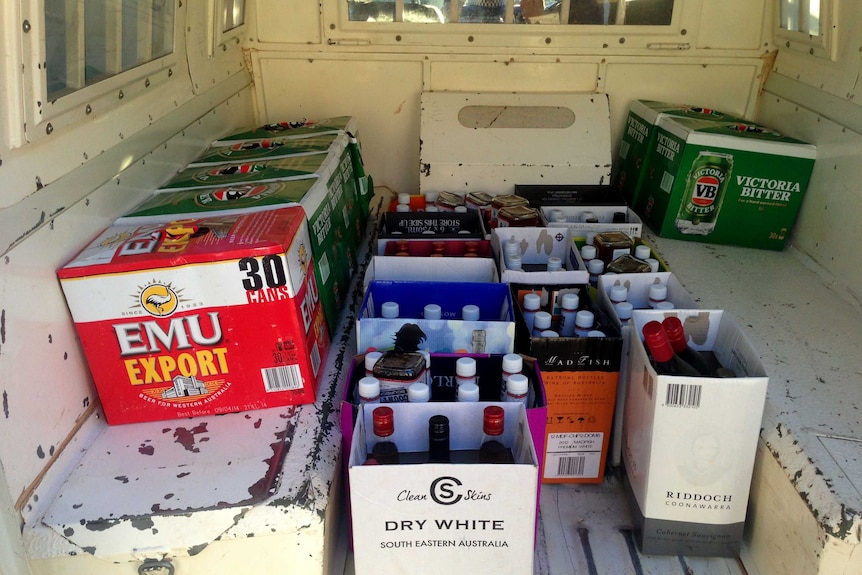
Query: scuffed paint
x=186, y=437
x=5, y=404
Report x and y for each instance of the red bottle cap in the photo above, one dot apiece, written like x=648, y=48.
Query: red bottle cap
x=675, y=333
x=384, y=421
x=494, y=420
x=657, y=342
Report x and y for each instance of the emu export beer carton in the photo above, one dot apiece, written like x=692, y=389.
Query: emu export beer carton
x=724, y=182
x=200, y=316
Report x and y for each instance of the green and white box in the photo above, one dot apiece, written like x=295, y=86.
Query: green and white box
x=639, y=135
x=724, y=182
x=689, y=442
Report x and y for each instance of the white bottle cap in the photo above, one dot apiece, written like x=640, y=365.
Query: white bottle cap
x=468, y=392
x=619, y=293
x=432, y=311
x=470, y=312
x=402, y=208
x=653, y=264
x=371, y=358
x=590, y=237
x=517, y=384
x=430, y=197
x=595, y=333
x=369, y=387
x=570, y=301
x=465, y=367
x=431, y=208
x=595, y=266
x=542, y=320
x=389, y=309
x=657, y=293
x=513, y=262
x=624, y=310
x=558, y=215
x=664, y=305
x=513, y=363
x=554, y=264
x=585, y=319
x=532, y=302
x=418, y=392
x=461, y=209
x=588, y=252
x=548, y=333
x=642, y=251
x=587, y=216
x=404, y=198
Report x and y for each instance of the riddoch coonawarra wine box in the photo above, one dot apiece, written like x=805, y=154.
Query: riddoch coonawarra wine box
x=198, y=317
x=689, y=442
x=724, y=182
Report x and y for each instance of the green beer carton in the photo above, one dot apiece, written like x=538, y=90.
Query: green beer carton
x=724, y=182
x=639, y=136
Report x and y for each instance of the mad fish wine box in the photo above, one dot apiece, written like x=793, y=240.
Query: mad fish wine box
x=199, y=316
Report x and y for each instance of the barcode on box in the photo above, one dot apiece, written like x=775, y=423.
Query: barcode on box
x=571, y=466
x=683, y=395
x=282, y=378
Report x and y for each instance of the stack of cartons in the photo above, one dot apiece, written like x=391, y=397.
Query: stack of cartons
x=266, y=168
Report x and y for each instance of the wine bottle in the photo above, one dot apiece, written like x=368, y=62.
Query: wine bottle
x=492, y=449
x=664, y=360
x=384, y=450
x=438, y=439
x=676, y=334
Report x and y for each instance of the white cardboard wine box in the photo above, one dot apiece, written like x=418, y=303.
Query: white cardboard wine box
x=689, y=442
x=638, y=285
x=444, y=518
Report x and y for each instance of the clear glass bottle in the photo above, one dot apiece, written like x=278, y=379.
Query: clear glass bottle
x=368, y=390
x=541, y=322
x=465, y=371
x=384, y=451
x=518, y=389
x=569, y=310
x=532, y=303
x=492, y=448
x=512, y=363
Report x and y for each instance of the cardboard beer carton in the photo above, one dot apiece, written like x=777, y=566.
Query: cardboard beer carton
x=638, y=138
x=329, y=200
x=724, y=182
x=203, y=316
x=689, y=442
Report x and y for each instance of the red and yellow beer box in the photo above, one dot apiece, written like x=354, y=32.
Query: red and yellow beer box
x=199, y=316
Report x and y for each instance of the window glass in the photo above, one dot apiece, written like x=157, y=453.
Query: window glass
x=89, y=41
x=800, y=16
x=584, y=12
x=233, y=14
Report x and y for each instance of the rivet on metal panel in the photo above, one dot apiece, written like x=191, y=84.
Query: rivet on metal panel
x=398, y=38
x=26, y=26
x=683, y=32
x=88, y=110
x=147, y=83
x=170, y=72
x=547, y=40
x=155, y=566
x=469, y=38
x=49, y=128
x=120, y=95
x=622, y=40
